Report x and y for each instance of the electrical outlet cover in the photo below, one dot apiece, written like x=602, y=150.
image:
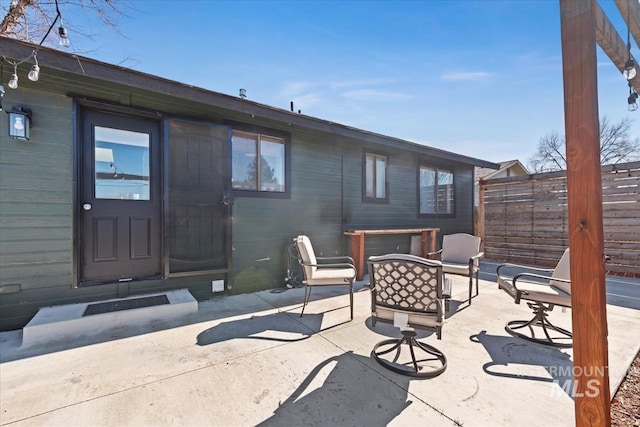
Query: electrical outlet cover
x=217, y=286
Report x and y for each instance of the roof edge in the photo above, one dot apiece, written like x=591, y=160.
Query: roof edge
x=76, y=64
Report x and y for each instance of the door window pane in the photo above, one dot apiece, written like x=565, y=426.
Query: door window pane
x=121, y=164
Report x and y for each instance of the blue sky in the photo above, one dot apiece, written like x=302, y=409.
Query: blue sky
x=480, y=78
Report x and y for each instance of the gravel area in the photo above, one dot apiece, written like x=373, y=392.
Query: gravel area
x=625, y=406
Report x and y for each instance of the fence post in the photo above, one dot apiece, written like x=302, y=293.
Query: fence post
x=480, y=215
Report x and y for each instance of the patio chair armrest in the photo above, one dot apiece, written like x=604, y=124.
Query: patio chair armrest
x=332, y=259
x=523, y=267
x=535, y=276
x=474, y=261
x=436, y=254
x=336, y=265
x=332, y=265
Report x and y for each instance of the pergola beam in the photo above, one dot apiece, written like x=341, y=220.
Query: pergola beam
x=611, y=42
x=632, y=7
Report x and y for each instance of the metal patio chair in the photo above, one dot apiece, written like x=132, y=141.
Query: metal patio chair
x=541, y=293
x=407, y=291
x=460, y=254
x=324, y=271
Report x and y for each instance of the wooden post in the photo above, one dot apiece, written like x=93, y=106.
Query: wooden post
x=586, y=236
x=357, y=253
x=429, y=241
x=480, y=217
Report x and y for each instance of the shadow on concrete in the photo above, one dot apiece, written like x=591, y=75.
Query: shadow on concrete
x=11, y=347
x=456, y=306
x=280, y=326
x=343, y=391
x=387, y=329
x=219, y=307
x=515, y=358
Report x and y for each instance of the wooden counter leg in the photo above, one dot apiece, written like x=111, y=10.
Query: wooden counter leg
x=434, y=241
x=429, y=242
x=357, y=253
x=424, y=246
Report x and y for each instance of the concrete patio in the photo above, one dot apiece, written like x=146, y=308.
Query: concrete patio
x=252, y=360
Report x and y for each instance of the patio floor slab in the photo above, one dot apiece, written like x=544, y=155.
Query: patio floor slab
x=252, y=360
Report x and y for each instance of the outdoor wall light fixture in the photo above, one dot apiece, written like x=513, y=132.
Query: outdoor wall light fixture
x=19, y=122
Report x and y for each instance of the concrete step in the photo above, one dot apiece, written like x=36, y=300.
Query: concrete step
x=63, y=322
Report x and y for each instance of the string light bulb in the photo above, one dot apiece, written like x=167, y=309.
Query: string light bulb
x=34, y=74
x=64, y=37
x=13, y=80
x=1, y=79
x=629, y=69
x=632, y=100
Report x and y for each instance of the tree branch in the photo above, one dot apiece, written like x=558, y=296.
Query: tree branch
x=16, y=12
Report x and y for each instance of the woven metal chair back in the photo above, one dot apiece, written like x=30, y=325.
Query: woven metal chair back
x=406, y=282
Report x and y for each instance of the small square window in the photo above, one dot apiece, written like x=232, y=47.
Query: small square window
x=436, y=191
x=258, y=162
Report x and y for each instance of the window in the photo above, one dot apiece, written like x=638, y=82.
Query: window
x=436, y=191
x=121, y=164
x=375, y=178
x=258, y=162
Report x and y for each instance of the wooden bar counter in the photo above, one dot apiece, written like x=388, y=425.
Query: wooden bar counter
x=429, y=243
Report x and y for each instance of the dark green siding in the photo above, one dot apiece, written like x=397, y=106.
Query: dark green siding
x=37, y=196
x=402, y=209
x=261, y=226
x=36, y=187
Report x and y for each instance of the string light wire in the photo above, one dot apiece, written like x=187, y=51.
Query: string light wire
x=13, y=83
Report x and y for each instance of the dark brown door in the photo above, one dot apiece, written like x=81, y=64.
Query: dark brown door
x=120, y=206
x=199, y=203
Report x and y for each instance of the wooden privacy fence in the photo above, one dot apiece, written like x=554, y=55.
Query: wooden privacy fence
x=524, y=219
